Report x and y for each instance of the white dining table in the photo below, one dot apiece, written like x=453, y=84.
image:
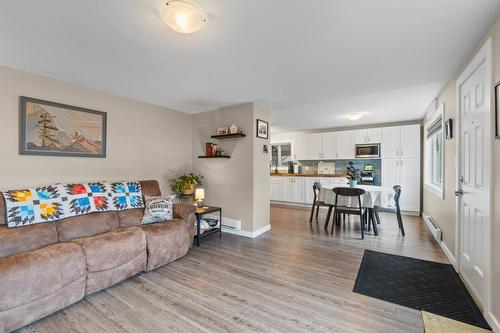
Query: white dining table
x=374, y=196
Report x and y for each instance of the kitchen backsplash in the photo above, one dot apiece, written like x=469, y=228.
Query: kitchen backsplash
x=341, y=164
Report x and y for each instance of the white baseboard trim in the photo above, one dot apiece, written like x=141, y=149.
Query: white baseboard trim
x=446, y=250
x=248, y=234
x=492, y=320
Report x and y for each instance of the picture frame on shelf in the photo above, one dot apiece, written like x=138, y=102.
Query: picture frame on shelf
x=262, y=129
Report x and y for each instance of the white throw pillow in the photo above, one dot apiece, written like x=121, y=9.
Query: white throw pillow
x=158, y=209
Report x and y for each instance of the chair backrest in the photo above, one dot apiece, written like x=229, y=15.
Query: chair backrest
x=316, y=188
x=397, y=194
x=348, y=192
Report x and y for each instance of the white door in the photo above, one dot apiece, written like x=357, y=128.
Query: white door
x=410, y=141
x=410, y=184
x=276, y=188
x=360, y=136
x=315, y=146
x=309, y=195
x=345, y=145
x=374, y=135
x=390, y=172
x=474, y=204
x=328, y=144
x=302, y=147
x=299, y=188
x=289, y=189
x=390, y=142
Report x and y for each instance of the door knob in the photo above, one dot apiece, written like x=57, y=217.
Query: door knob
x=459, y=193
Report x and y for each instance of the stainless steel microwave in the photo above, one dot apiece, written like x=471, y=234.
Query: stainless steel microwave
x=368, y=150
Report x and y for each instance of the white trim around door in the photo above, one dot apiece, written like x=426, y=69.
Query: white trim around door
x=484, y=56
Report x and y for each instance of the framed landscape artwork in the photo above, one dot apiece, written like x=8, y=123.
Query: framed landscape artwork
x=262, y=129
x=48, y=128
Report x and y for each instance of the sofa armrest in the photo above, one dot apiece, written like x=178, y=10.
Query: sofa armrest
x=185, y=211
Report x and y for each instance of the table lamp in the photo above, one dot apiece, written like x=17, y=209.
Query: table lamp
x=199, y=196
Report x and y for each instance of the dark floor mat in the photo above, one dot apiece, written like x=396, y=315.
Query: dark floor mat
x=418, y=284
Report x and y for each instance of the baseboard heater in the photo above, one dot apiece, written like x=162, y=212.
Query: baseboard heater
x=227, y=223
x=434, y=228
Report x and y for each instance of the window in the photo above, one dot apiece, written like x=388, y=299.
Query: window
x=434, y=151
x=281, y=154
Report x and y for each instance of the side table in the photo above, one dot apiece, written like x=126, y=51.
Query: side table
x=200, y=212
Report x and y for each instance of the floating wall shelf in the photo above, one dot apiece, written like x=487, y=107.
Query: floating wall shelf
x=214, y=156
x=228, y=136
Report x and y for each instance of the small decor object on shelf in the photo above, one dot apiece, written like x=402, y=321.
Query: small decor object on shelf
x=185, y=184
x=353, y=174
x=233, y=129
x=222, y=130
x=262, y=129
x=199, y=196
x=48, y=128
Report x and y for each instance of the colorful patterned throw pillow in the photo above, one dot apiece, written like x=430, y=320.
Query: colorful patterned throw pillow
x=158, y=209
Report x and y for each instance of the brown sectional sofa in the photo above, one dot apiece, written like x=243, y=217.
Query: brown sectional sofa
x=46, y=267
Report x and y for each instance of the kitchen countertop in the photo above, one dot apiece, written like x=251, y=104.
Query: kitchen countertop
x=305, y=175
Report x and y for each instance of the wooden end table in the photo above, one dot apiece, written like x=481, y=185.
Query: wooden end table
x=200, y=212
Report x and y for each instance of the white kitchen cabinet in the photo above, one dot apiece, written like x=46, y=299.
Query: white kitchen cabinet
x=289, y=189
x=401, y=141
x=302, y=147
x=410, y=184
x=345, y=145
x=299, y=189
x=277, y=187
x=329, y=148
x=315, y=144
x=371, y=135
x=390, y=144
x=391, y=172
x=404, y=172
x=410, y=141
x=308, y=189
x=374, y=135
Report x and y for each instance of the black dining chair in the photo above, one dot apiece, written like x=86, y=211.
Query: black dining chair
x=317, y=203
x=360, y=211
x=396, y=210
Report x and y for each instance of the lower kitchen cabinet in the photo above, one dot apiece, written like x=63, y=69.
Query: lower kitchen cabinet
x=404, y=172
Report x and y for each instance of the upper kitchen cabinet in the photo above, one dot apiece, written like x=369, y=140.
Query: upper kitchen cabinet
x=329, y=146
x=302, y=147
x=401, y=141
x=315, y=146
x=371, y=135
x=345, y=145
x=410, y=141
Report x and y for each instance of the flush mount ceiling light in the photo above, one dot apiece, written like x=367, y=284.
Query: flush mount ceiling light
x=354, y=115
x=183, y=16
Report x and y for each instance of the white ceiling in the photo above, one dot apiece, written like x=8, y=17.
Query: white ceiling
x=307, y=61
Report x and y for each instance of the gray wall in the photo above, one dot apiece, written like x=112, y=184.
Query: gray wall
x=239, y=184
x=144, y=141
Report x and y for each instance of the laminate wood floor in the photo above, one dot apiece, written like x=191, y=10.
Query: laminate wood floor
x=294, y=278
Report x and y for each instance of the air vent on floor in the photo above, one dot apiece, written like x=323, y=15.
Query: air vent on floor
x=433, y=227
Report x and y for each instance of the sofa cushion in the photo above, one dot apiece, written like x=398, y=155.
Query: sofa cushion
x=17, y=240
x=113, y=256
x=150, y=188
x=86, y=225
x=166, y=242
x=130, y=217
x=30, y=276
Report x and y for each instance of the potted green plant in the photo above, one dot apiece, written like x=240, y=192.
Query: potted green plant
x=353, y=174
x=185, y=184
